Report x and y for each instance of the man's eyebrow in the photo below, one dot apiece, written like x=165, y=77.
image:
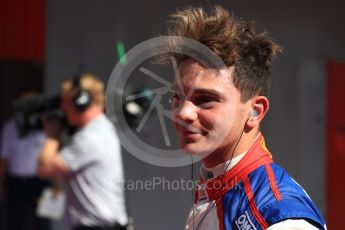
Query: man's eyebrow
x=208, y=91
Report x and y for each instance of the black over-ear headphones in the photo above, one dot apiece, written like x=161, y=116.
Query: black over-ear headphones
x=81, y=98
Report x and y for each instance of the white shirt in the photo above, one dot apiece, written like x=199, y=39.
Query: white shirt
x=21, y=154
x=94, y=192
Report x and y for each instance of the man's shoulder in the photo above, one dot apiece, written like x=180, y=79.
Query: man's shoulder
x=275, y=178
x=98, y=136
x=278, y=196
x=100, y=126
x=271, y=195
x=271, y=183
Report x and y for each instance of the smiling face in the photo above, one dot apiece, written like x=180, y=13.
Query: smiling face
x=207, y=112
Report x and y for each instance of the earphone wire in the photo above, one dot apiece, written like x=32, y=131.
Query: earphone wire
x=225, y=170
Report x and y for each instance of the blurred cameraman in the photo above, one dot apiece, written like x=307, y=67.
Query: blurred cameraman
x=18, y=160
x=91, y=164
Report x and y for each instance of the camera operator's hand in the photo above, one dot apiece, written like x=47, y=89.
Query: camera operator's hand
x=50, y=164
x=52, y=127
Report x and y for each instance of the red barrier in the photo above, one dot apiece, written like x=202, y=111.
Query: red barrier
x=22, y=29
x=335, y=144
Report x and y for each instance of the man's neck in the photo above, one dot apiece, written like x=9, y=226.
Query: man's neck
x=90, y=114
x=219, y=169
x=229, y=152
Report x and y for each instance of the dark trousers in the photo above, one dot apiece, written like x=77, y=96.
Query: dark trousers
x=22, y=196
x=115, y=227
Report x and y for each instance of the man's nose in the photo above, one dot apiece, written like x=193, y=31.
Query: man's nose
x=186, y=111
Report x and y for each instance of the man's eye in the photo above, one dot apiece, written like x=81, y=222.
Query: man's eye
x=204, y=102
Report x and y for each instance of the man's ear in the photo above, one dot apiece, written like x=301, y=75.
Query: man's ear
x=260, y=105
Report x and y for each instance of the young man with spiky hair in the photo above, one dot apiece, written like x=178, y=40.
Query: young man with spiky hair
x=217, y=114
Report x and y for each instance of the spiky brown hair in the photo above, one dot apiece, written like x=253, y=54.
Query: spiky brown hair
x=235, y=41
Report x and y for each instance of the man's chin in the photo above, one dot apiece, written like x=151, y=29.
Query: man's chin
x=199, y=151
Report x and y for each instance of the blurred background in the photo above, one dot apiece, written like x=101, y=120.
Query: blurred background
x=43, y=41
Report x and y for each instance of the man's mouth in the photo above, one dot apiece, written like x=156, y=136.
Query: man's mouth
x=189, y=135
x=191, y=132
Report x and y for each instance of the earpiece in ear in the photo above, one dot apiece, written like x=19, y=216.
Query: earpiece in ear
x=255, y=113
